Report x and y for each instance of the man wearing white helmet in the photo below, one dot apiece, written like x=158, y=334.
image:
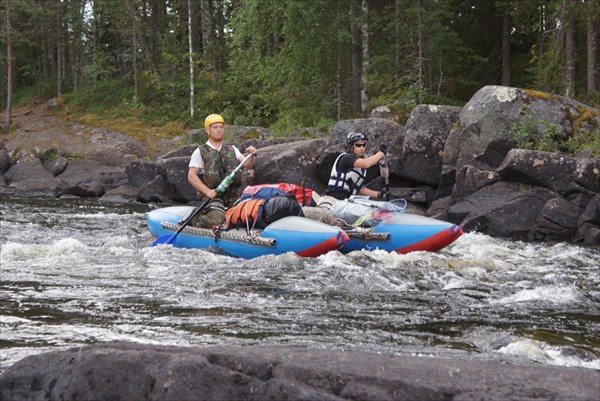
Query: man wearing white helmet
x=350, y=169
x=209, y=165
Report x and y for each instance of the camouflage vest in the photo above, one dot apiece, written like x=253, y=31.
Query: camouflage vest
x=218, y=165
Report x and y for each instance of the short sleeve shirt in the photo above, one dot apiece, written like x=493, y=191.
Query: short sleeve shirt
x=346, y=162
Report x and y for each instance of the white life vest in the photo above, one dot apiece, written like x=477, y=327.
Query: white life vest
x=352, y=181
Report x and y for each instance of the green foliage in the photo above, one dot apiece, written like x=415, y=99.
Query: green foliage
x=50, y=154
x=288, y=64
x=536, y=135
x=584, y=141
x=546, y=136
x=30, y=94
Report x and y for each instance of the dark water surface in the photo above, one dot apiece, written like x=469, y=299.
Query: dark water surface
x=78, y=272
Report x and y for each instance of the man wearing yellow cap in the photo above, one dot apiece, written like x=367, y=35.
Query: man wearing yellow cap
x=209, y=165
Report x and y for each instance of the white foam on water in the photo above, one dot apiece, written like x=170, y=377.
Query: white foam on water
x=551, y=293
x=13, y=320
x=547, y=354
x=66, y=247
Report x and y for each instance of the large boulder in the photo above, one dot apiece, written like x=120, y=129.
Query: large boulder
x=157, y=190
x=489, y=121
x=88, y=178
x=588, y=224
x=290, y=162
x=427, y=129
x=501, y=209
x=28, y=177
x=145, y=372
x=544, y=169
x=557, y=221
x=140, y=172
x=175, y=171
x=587, y=174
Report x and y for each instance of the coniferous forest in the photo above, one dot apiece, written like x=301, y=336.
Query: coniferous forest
x=286, y=64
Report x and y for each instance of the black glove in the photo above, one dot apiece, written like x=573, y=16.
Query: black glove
x=385, y=193
x=384, y=147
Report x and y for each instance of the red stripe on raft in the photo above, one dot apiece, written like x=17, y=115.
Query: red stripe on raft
x=325, y=246
x=435, y=242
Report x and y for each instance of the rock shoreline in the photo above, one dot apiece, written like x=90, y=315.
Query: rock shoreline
x=454, y=164
x=123, y=371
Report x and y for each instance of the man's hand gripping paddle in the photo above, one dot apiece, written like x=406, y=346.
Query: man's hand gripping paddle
x=384, y=170
x=170, y=239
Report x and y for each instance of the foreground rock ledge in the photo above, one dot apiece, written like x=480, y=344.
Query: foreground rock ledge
x=123, y=371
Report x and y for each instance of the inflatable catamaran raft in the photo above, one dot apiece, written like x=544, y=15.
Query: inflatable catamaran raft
x=378, y=225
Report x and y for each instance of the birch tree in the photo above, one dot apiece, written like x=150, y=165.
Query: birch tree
x=191, y=58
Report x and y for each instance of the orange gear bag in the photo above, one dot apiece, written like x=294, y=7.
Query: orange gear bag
x=246, y=212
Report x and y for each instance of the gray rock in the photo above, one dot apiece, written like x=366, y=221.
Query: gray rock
x=4, y=159
x=470, y=180
x=427, y=130
x=122, y=371
x=175, y=172
x=90, y=189
x=549, y=170
x=158, y=190
x=490, y=119
x=56, y=166
x=557, y=221
x=140, y=172
x=501, y=209
x=122, y=194
x=587, y=173
x=82, y=171
x=290, y=162
x=28, y=177
x=589, y=222
x=382, y=112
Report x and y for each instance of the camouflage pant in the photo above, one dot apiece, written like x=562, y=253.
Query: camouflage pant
x=212, y=215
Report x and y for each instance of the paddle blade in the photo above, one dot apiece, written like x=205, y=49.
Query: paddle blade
x=167, y=239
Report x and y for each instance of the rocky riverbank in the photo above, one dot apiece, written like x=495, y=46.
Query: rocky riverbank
x=119, y=371
x=454, y=164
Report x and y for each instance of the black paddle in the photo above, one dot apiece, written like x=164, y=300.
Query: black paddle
x=169, y=239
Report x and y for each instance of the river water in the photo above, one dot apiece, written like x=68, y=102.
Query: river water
x=77, y=272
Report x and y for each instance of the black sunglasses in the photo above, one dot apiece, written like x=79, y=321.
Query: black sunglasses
x=360, y=145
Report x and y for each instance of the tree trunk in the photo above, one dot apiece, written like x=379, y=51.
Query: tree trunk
x=570, y=58
x=219, y=44
x=397, y=43
x=420, y=58
x=592, y=53
x=135, y=66
x=94, y=49
x=191, y=58
x=59, y=56
x=506, y=49
x=206, y=25
x=9, y=62
x=364, y=96
x=141, y=38
x=78, y=46
x=356, y=60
